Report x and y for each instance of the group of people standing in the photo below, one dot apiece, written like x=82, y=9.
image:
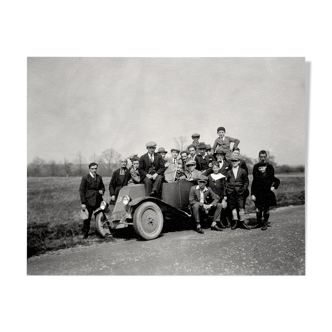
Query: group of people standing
x=219, y=176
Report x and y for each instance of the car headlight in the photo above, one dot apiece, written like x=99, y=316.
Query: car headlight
x=103, y=205
x=125, y=200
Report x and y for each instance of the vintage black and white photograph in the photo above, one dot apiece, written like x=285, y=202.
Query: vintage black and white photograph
x=166, y=166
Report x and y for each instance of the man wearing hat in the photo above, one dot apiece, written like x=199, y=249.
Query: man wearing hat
x=195, y=138
x=191, y=173
x=204, y=201
x=224, y=165
x=173, y=166
x=209, y=156
x=225, y=142
x=237, y=184
x=151, y=169
x=162, y=152
x=201, y=155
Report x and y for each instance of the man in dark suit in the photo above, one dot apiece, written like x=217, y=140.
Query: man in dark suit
x=195, y=137
x=242, y=164
x=202, y=156
x=151, y=168
x=91, y=193
x=120, y=178
x=224, y=165
x=193, y=156
x=237, y=185
x=203, y=200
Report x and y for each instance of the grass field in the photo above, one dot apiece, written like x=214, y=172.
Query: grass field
x=54, y=205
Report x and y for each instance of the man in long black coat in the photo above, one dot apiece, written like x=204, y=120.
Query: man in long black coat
x=91, y=193
x=120, y=178
x=151, y=168
x=262, y=189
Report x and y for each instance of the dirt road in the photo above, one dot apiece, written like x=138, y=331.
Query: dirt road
x=278, y=250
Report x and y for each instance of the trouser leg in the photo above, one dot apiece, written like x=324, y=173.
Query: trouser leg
x=148, y=186
x=157, y=183
x=86, y=223
x=196, y=213
x=266, y=214
x=216, y=215
x=259, y=216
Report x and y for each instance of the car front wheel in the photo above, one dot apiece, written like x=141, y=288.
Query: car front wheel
x=148, y=220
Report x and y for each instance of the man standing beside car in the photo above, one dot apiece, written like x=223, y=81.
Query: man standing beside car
x=91, y=193
x=119, y=179
x=151, y=168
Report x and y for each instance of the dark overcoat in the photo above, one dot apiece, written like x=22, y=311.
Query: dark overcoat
x=89, y=190
x=261, y=186
x=115, y=183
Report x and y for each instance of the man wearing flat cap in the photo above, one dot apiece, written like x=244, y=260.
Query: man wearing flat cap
x=195, y=137
x=237, y=185
x=173, y=166
x=225, y=142
x=201, y=155
x=191, y=173
x=162, y=152
x=204, y=201
x=151, y=169
x=209, y=155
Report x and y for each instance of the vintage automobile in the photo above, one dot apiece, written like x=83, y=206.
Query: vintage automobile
x=145, y=213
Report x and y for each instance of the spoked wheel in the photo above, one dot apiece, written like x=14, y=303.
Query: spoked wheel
x=102, y=225
x=148, y=220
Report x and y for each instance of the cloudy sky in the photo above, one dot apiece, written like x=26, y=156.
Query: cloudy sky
x=93, y=104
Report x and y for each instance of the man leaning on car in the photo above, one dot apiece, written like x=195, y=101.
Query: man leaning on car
x=91, y=193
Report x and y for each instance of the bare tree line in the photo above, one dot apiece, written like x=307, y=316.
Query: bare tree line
x=108, y=161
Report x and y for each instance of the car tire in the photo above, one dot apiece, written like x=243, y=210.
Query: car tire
x=148, y=220
x=101, y=227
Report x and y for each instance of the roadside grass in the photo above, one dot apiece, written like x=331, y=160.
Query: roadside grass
x=54, y=206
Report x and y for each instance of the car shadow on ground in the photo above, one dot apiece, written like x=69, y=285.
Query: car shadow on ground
x=173, y=223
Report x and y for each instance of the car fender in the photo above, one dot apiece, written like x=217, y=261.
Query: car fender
x=163, y=205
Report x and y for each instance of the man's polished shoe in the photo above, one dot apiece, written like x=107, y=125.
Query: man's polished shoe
x=264, y=228
x=153, y=193
x=216, y=228
x=199, y=230
x=234, y=225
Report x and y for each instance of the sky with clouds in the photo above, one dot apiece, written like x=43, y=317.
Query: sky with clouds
x=93, y=104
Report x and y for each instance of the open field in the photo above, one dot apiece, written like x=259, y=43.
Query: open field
x=54, y=205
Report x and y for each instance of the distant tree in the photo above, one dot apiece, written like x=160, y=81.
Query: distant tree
x=37, y=166
x=53, y=168
x=110, y=157
x=180, y=142
x=67, y=167
x=80, y=162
